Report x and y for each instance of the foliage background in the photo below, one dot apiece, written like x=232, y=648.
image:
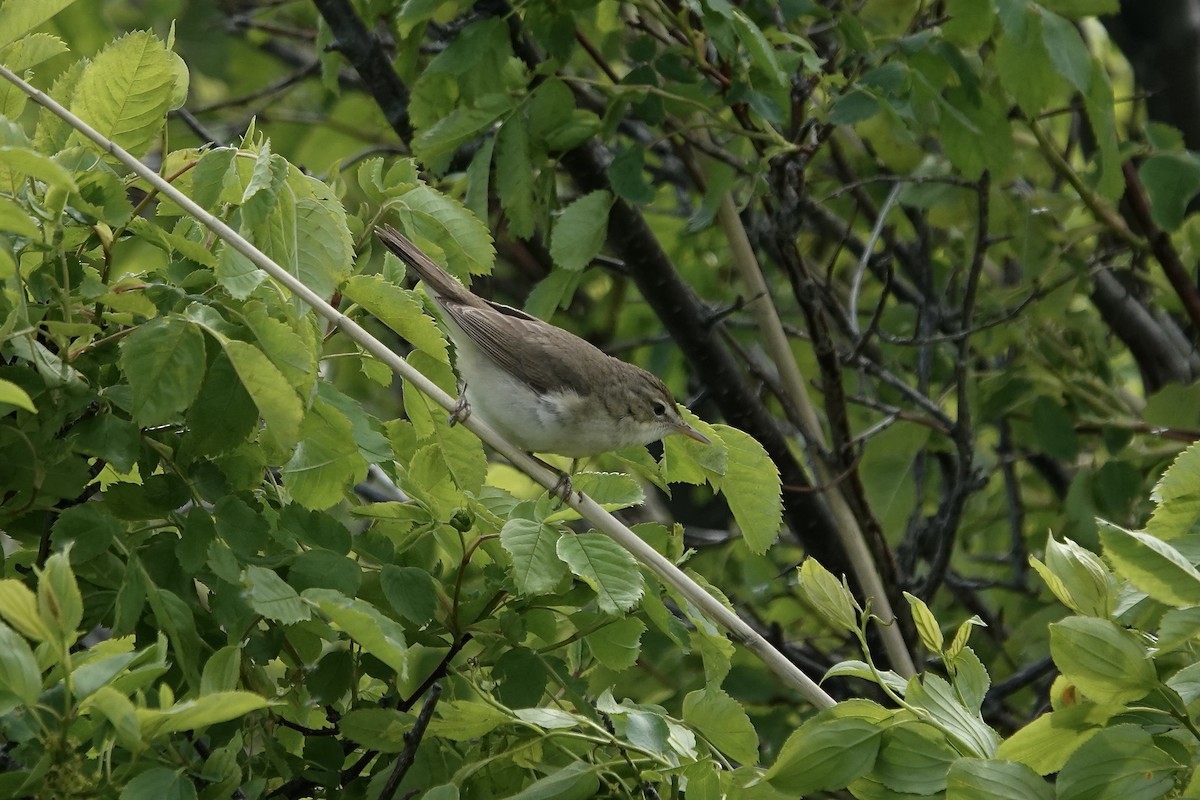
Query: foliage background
x=975, y=237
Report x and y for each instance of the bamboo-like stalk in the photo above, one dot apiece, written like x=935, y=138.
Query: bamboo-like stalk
x=780, y=351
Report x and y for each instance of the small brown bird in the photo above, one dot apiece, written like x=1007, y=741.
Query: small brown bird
x=541, y=387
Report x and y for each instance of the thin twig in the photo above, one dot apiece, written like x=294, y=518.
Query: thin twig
x=412, y=740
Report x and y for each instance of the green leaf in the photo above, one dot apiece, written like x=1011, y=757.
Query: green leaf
x=969, y=22
x=375, y=633
x=465, y=240
x=400, y=310
x=1074, y=9
x=321, y=252
x=952, y=716
x=59, y=600
x=120, y=713
x=14, y=219
x=993, y=779
x=1067, y=51
x=411, y=591
x=580, y=231
x=1078, y=578
x=159, y=783
x=762, y=54
x=976, y=132
x=927, y=626
x=126, y=91
x=913, y=758
x=1179, y=627
x=209, y=709
x=752, y=488
x=536, y=568
x=88, y=529
x=327, y=462
x=434, y=145
x=1055, y=429
x=164, y=362
x=612, y=491
x=855, y=106
x=1045, y=744
x=16, y=396
x=277, y=402
x=576, y=781
x=1177, y=496
x=1099, y=104
x=826, y=755
x=380, y=729
x=271, y=597
x=605, y=566
x=887, y=472
x=627, y=176
x=19, y=673
x=1026, y=68
x=19, y=17
x=514, y=176
x=723, y=721
x=287, y=349
x=1105, y=661
x=831, y=597
x=1118, y=763
x=111, y=438
x=222, y=670
x=322, y=569
x=462, y=720
x=1172, y=180
x=1152, y=565
x=617, y=645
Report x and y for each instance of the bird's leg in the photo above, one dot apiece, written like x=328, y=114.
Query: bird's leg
x=462, y=407
x=562, y=490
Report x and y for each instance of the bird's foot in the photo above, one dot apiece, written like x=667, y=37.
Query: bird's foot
x=563, y=490
x=461, y=409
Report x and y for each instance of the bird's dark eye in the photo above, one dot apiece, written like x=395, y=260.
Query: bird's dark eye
x=660, y=408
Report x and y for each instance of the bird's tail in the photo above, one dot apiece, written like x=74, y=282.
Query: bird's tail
x=436, y=278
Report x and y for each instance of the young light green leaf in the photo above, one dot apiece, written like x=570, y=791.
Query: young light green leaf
x=1171, y=181
x=1045, y=744
x=120, y=713
x=126, y=91
x=19, y=673
x=222, y=670
x=1105, y=661
x=59, y=601
x=970, y=733
x=536, y=569
x=752, y=488
x=326, y=463
x=580, y=231
x=19, y=17
x=970, y=23
x=199, y=713
x=277, y=402
x=605, y=566
x=926, y=624
x=465, y=240
x=723, y=721
x=829, y=596
x=1152, y=565
x=1177, y=496
x=462, y=720
x=164, y=362
x=576, y=781
x=400, y=310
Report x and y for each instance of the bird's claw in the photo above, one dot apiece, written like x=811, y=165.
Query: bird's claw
x=462, y=408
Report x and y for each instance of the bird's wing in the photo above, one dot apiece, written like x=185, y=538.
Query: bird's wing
x=545, y=357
